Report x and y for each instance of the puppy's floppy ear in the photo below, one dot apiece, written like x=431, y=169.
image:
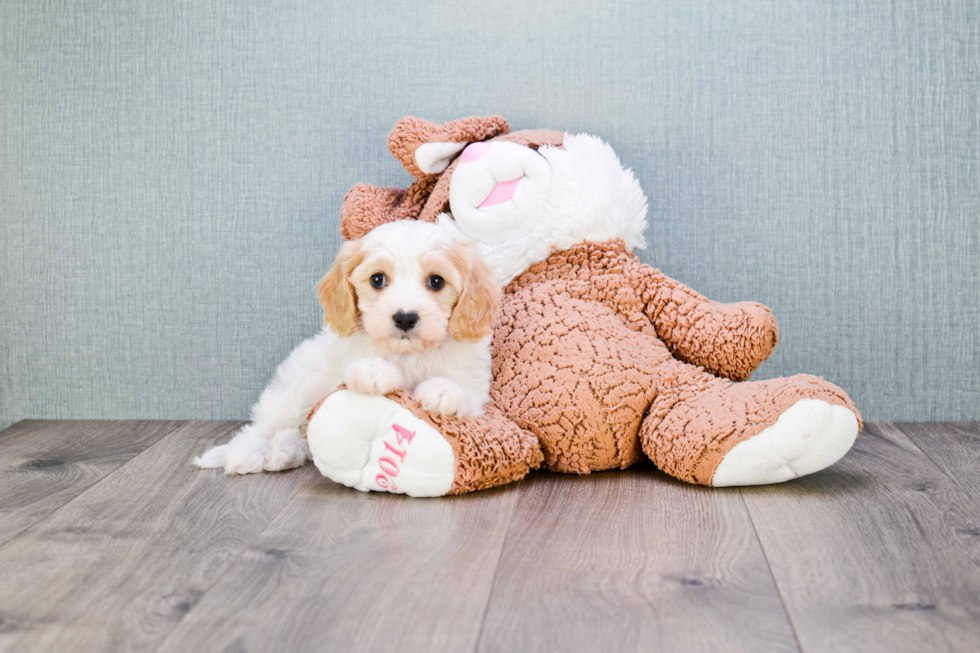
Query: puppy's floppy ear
x=478, y=303
x=337, y=294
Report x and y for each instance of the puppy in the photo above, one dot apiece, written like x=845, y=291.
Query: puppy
x=408, y=306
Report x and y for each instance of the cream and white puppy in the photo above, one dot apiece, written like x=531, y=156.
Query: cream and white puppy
x=409, y=306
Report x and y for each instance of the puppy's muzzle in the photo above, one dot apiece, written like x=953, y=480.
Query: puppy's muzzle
x=405, y=320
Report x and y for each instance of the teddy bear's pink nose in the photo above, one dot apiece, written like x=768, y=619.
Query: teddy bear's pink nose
x=474, y=151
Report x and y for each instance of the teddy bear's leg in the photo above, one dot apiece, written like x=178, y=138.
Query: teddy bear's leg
x=390, y=444
x=711, y=431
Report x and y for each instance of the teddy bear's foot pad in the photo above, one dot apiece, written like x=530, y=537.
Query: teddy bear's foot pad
x=809, y=436
x=373, y=443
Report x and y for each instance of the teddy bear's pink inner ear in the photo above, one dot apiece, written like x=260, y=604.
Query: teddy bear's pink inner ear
x=475, y=151
x=433, y=158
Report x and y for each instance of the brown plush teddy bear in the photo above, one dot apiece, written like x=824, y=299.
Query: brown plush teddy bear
x=598, y=359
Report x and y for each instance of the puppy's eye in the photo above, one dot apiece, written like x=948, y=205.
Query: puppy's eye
x=435, y=282
x=378, y=280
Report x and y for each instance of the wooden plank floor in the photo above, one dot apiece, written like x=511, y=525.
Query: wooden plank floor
x=111, y=541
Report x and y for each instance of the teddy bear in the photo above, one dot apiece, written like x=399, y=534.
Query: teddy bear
x=599, y=361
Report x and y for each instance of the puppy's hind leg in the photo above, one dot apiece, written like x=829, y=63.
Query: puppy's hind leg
x=272, y=440
x=287, y=449
x=243, y=454
x=213, y=458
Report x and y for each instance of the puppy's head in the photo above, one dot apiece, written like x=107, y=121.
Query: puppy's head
x=409, y=285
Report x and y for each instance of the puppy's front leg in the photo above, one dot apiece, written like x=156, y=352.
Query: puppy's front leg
x=373, y=376
x=443, y=396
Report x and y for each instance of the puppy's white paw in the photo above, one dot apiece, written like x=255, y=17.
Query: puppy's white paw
x=243, y=462
x=373, y=376
x=287, y=449
x=244, y=453
x=373, y=443
x=443, y=397
x=809, y=436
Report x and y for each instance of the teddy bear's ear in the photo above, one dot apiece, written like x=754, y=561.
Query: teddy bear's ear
x=426, y=149
x=433, y=158
x=366, y=207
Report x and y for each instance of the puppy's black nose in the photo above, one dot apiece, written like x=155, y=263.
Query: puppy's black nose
x=405, y=321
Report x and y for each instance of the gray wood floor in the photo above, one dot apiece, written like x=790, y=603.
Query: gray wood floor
x=110, y=540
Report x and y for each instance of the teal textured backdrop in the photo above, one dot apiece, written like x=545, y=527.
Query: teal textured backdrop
x=171, y=174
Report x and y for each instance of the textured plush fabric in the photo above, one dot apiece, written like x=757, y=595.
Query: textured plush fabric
x=411, y=132
x=171, y=176
x=741, y=336
x=366, y=206
x=586, y=378
x=438, y=201
x=579, y=363
x=598, y=358
x=489, y=450
x=697, y=418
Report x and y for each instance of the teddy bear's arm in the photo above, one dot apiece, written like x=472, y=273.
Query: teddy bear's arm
x=729, y=340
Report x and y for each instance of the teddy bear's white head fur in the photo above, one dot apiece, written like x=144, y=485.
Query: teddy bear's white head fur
x=521, y=204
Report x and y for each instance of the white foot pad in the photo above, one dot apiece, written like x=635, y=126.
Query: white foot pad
x=373, y=443
x=809, y=436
